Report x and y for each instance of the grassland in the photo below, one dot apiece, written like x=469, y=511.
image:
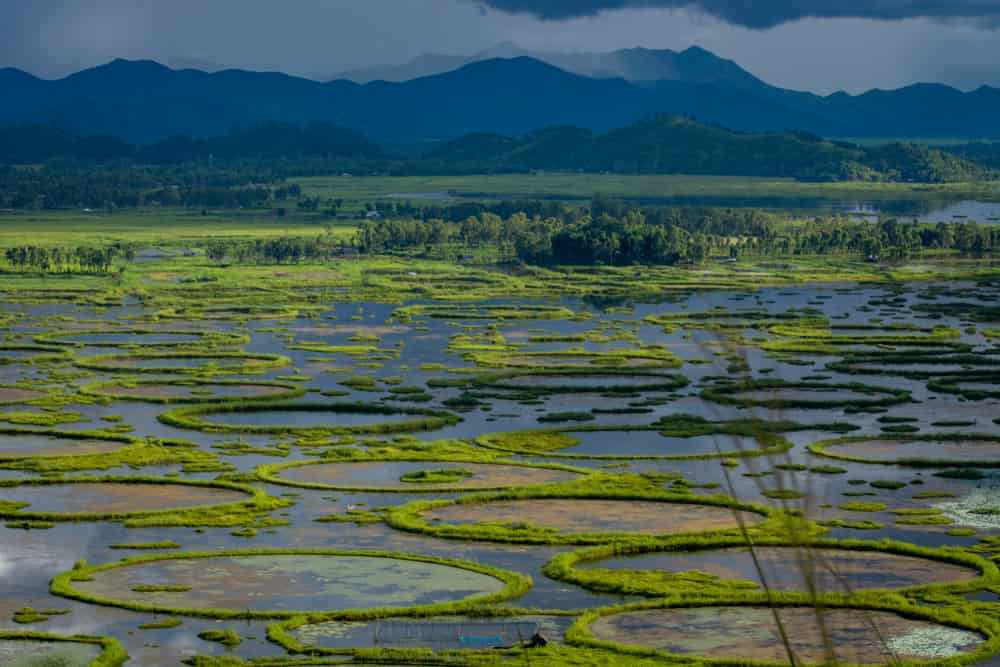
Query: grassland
x=575, y=186
x=182, y=227
x=173, y=227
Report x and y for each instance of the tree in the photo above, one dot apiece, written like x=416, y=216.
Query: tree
x=216, y=250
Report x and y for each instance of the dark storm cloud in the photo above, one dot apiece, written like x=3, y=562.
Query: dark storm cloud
x=763, y=13
x=321, y=38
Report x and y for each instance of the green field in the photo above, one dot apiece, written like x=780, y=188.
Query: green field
x=179, y=227
x=174, y=227
x=556, y=185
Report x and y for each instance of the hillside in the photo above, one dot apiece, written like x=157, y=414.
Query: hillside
x=678, y=145
x=30, y=144
x=692, y=65
x=663, y=145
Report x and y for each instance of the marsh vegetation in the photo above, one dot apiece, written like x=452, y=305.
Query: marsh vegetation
x=367, y=454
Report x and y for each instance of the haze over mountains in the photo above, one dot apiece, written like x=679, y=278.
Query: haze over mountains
x=694, y=65
x=143, y=101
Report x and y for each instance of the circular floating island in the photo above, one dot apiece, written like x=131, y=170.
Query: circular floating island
x=919, y=366
x=27, y=353
x=33, y=296
x=140, y=337
x=976, y=388
x=575, y=360
x=568, y=520
x=25, y=649
x=777, y=394
x=18, y=443
x=566, y=381
x=273, y=584
x=192, y=391
x=411, y=476
x=494, y=311
x=632, y=443
x=117, y=498
x=725, y=319
x=739, y=634
x=785, y=567
x=307, y=418
x=185, y=362
x=851, y=334
x=234, y=312
x=933, y=450
x=13, y=395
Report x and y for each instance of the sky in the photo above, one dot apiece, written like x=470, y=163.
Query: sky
x=817, y=45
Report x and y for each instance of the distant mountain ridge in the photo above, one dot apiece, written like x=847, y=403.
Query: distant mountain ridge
x=143, y=101
x=693, y=65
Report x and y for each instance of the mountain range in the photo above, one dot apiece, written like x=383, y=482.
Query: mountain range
x=143, y=101
x=662, y=145
x=693, y=65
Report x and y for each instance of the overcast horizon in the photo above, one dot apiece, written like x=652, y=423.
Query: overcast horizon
x=855, y=46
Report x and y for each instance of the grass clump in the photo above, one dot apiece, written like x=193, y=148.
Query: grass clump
x=566, y=417
x=961, y=473
x=164, y=624
x=228, y=637
x=440, y=476
x=888, y=484
x=862, y=506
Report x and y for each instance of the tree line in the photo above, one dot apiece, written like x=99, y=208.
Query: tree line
x=280, y=250
x=63, y=186
x=604, y=232
x=614, y=234
x=81, y=259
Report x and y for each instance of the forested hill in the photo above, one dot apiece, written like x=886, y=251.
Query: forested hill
x=677, y=145
x=662, y=145
x=32, y=144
